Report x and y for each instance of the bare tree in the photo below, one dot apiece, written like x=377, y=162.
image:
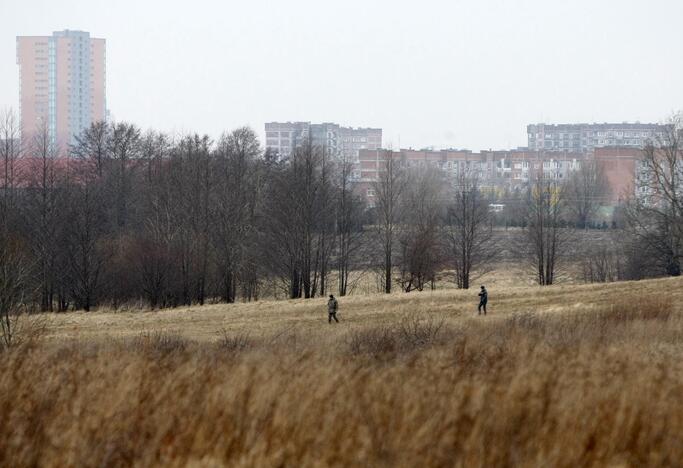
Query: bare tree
x=85, y=233
x=124, y=149
x=469, y=230
x=601, y=265
x=324, y=237
x=10, y=151
x=420, y=253
x=294, y=223
x=388, y=191
x=587, y=189
x=350, y=237
x=545, y=237
x=14, y=274
x=655, y=213
x=89, y=214
x=43, y=213
x=190, y=193
x=155, y=240
x=155, y=261
x=121, y=189
x=235, y=197
x=93, y=146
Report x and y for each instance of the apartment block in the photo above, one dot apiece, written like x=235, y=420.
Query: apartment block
x=284, y=137
x=355, y=139
x=343, y=143
x=496, y=170
x=585, y=138
x=62, y=85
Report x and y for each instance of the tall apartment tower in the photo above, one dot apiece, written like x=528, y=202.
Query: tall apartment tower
x=62, y=85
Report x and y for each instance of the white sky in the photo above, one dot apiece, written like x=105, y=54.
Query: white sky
x=458, y=73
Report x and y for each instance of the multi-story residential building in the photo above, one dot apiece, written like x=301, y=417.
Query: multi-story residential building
x=62, y=84
x=283, y=137
x=511, y=168
x=341, y=142
x=616, y=148
x=496, y=170
x=355, y=139
x=584, y=138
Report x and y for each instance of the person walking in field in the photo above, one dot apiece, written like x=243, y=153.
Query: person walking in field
x=483, y=299
x=332, y=306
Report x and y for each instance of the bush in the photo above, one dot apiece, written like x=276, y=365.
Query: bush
x=412, y=332
x=159, y=343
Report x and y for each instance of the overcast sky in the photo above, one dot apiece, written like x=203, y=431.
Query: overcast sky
x=465, y=74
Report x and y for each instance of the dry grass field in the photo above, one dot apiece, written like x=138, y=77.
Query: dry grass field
x=561, y=376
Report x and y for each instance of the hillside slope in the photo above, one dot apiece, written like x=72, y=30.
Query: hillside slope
x=563, y=376
x=209, y=322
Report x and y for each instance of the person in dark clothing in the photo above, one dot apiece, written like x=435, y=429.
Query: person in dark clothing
x=332, y=307
x=483, y=299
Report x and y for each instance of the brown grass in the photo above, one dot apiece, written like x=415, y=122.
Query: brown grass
x=588, y=376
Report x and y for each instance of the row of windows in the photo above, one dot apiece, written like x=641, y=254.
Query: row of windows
x=575, y=145
x=609, y=134
x=330, y=135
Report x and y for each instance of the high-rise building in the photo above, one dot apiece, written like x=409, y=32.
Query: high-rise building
x=341, y=142
x=62, y=85
x=584, y=138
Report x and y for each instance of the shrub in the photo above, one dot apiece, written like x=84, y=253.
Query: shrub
x=159, y=343
x=234, y=343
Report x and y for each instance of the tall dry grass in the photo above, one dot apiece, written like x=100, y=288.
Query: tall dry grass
x=595, y=387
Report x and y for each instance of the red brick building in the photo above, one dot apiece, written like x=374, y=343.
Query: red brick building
x=620, y=165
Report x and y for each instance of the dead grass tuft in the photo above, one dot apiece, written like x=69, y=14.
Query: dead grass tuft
x=235, y=343
x=649, y=308
x=159, y=343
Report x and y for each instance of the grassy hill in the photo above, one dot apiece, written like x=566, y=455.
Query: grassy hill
x=265, y=318
x=560, y=376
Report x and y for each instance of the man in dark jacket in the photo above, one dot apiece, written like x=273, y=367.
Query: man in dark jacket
x=483, y=299
x=332, y=307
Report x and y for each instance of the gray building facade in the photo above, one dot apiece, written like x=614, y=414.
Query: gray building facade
x=340, y=142
x=584, y=138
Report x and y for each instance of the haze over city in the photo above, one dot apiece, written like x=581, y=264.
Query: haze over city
x=446, y=74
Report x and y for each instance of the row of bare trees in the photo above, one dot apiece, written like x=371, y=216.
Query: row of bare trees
x=14, y=273
x=428, y=224
x=133, y=216
x=143, y=217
